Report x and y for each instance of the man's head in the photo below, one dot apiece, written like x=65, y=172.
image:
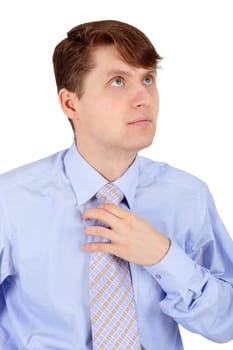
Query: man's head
x=106, y=81
x=73, y=56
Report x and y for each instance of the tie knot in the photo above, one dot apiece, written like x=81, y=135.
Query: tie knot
x=110, y=194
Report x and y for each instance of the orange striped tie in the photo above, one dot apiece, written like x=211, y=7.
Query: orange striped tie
x=112, y=305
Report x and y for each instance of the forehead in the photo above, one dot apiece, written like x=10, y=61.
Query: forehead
x=108, y=60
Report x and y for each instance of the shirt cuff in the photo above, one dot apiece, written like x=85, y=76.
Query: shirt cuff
x=174, y=271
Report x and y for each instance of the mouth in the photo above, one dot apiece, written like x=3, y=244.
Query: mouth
x=140, y=122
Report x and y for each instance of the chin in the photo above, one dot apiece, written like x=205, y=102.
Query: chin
x=142, y=145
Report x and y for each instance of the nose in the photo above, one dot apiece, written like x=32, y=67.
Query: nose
x=141, y=97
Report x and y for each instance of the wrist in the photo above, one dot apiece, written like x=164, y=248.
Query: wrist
x=164, y=247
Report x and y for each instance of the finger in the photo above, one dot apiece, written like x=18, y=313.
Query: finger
x=99, y=247
x=100, y=231
x=115, y=210
x=102, y=215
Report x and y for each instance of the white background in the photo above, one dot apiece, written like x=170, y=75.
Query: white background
x=195, y=83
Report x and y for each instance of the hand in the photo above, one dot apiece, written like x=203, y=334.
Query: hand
x=131, y=237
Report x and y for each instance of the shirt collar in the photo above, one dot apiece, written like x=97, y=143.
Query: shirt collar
x=86, y=181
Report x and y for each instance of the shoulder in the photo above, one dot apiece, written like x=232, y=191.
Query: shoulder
x=164, y=174
x=31, y=173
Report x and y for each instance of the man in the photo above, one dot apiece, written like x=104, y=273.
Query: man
x=57, y=226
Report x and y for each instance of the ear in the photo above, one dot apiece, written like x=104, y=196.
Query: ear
x=69, y=103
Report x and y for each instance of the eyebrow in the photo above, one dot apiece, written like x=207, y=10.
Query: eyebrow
x=128, y=73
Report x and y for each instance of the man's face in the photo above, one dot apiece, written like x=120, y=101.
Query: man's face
x=118, y=109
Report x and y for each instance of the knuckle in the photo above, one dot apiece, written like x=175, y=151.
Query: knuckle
x=92, y=247
x=127, y=226
x=99, y=230
x=102, y=214
x=101, y=247
x=87, y=229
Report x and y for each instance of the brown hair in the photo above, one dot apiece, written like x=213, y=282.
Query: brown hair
x=72, y=58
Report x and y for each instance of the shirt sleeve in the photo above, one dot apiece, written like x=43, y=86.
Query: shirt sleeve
x=6, y=263
x=198, y=280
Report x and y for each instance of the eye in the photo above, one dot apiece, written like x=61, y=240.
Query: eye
x=148, y=80
x=117, y=82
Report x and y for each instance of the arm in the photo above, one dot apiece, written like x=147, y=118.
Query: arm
x=197, y=276
x=6, y=270
x=6, y=262
x=199, y=285
x=199, y=299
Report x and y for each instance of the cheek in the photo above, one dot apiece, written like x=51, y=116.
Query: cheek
x=155, y=102
x=110, y=105
x=89, y=110
x=102, y=104
x=102, y=111
x=110, y=112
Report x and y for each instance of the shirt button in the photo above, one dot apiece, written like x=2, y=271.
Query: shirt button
x=158, y=276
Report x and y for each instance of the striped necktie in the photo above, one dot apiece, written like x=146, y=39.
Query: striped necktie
x=113, y=313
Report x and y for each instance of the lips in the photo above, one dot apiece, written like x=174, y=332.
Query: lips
x=140, y=121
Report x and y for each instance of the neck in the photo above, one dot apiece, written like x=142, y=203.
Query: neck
x=109, y=164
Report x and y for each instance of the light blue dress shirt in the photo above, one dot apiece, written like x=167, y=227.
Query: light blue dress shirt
x=44, y=271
